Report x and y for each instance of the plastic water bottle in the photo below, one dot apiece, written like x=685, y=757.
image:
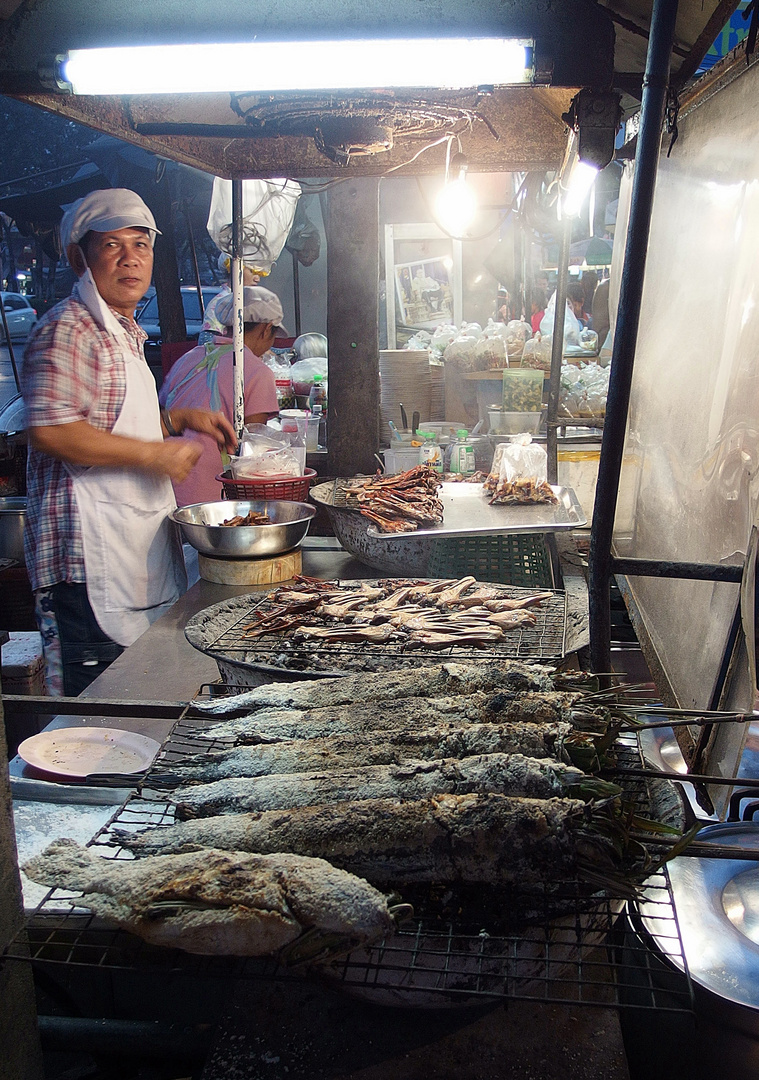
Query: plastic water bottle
x=462, y=454
x=431, y=451
x=317, y=403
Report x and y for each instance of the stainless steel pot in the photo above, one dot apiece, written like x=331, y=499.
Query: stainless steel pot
x=12, y=519
x=407, y=557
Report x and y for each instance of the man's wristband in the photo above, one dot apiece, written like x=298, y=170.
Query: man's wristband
x=166, y=417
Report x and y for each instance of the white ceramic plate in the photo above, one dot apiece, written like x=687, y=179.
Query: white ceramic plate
x=76, y=752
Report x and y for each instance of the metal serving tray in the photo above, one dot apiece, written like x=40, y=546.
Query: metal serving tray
x=467, y=510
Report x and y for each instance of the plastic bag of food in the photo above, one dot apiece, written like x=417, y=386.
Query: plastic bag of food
x=490, y=353
x=442, y=338
x=521, y=459
x=537, y=353
x=589, y=340
x=460, y=352
x=303, y=371
x=571, y=325
x=265, y=452
x=420, y=340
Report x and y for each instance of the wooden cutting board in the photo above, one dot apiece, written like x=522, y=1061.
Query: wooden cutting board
x=250, y=571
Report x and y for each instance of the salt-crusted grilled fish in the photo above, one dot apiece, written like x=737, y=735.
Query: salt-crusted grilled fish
x=389, y=747
x=431, y=680
x=504, y=774
x=409, y=714
x=447, y=838
x=219, y=902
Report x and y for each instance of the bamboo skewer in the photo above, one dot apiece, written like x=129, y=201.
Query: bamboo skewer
x=749, y=783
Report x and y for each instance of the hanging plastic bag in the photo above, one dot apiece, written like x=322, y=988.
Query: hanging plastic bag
x=571, y=325
x=268, y=209
x=303, y=371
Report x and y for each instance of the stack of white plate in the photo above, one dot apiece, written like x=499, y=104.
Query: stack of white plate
x=404, y=377
x=437, y=392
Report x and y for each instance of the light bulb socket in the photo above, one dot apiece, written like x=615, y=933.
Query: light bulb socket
x=50, y=74
x=459, y=165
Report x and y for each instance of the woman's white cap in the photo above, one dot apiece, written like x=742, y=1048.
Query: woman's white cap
x=105, y=211
x=259, y=306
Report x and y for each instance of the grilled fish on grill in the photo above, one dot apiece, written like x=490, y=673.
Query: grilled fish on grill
x=505, y=774
x=219, y=902
x=409, y=714
x=447, y=838
x=389, y=747
x=428, y=681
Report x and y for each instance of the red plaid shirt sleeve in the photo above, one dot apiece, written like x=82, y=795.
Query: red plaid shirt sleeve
x=72, y=371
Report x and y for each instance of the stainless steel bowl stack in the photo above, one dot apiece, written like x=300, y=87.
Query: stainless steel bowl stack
x=201, y=526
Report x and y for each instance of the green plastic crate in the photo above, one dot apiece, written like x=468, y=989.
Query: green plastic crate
x=511, y=559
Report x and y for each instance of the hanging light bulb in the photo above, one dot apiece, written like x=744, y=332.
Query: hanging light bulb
x=457, y=203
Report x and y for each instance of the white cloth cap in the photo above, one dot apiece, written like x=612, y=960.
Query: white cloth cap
x=105, y=211
x=259, y=306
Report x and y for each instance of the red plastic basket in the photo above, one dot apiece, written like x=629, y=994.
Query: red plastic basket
x=291, y=489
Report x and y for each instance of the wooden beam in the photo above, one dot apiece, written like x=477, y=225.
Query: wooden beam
x=703, y=42
x=352, y=229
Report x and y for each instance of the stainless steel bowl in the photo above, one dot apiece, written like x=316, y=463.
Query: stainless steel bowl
x=12, y=519
x=200, y=526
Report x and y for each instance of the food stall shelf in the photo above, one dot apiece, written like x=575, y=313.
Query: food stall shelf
x=569, y=949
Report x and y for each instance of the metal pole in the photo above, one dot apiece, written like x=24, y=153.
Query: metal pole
x=9, y=343
x=557, y=350
x=296, y=293
x=655, y=83
x=238, y=329
x=194, y=257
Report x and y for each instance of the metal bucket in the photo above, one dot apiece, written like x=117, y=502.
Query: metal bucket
x=12, y=519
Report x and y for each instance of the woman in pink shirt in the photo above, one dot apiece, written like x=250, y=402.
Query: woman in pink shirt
x=204, y=376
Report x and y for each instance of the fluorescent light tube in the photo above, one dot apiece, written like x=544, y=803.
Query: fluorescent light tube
x=581, y=180
x=299, y=65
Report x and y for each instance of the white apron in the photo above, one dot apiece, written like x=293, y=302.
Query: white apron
x=132, y=556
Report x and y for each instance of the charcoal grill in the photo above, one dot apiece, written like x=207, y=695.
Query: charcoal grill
x=219, y=631
x=430, y=961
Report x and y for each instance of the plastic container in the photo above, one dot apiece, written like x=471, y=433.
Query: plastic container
x=288, y=489
x=522, y=390
x=431, y=454
x=513, y=423
x=462, y=454
x=400, y=458
x=307, y=426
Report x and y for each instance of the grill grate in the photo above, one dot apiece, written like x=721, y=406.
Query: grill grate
x=578, y=957
x=544, y=641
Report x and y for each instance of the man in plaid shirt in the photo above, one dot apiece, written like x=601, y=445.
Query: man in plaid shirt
x=84, y=374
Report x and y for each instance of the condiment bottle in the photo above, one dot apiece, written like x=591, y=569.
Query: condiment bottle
x=431, y=451
x=462, y=454
x=318, y=394
x=285, y=395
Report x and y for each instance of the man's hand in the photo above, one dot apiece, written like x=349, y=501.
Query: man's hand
x=80, y=444
x=210, y=423
x=174, y=458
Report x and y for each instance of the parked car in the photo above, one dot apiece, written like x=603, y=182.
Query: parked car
x=20, y=314
x=148, y=315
